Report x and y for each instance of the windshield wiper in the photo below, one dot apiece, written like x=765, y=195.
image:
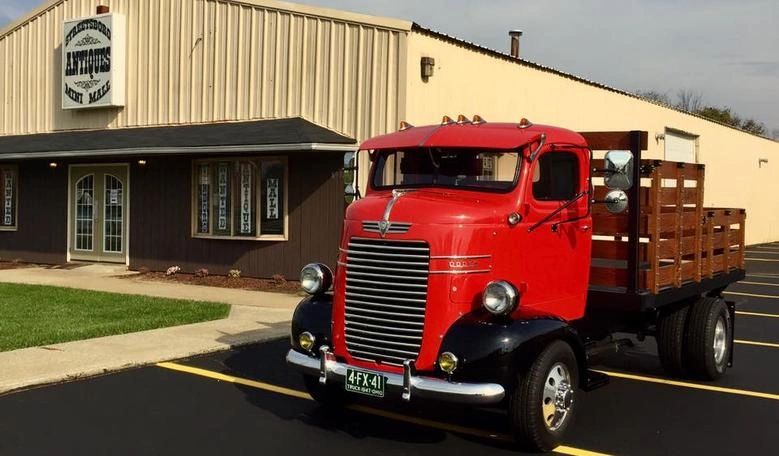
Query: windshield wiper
x=557, y=211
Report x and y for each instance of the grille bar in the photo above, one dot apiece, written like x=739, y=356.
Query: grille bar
x=386, y=296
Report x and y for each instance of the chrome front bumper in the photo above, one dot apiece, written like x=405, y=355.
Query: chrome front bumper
x=406, y=386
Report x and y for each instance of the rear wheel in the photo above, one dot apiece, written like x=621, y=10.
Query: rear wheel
x=671, y=340
x=710, y=331
x=542, y=404
x=327, y=395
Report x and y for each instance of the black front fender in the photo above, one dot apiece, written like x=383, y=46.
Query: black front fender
x=491, y=349
x=315, y=315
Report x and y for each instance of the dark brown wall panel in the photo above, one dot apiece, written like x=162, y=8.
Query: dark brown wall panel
x=43, y=211
x=160, y=220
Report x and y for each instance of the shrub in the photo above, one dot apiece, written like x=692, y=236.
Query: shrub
x=202, y=273
x=234, y=274
x=173, y=270
x=279, y=280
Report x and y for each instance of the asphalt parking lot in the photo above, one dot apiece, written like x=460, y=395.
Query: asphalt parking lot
x=246, y=401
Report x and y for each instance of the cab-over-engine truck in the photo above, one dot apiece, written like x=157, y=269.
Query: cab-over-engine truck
x=488, y=262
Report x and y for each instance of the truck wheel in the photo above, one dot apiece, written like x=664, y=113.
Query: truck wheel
x=542, y=405
x=710, y=331
x=329, y=396
x=671, y=332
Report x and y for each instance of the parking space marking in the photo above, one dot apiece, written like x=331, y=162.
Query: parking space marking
x=768, y=260
x=365, y=409
x=760, y=283
x=764, y=275
x=756, y=314
x=738, y=293
x=758, y=344
x=718, y=389
x=764, y=252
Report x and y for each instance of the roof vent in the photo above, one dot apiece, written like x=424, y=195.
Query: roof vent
x=515, y=37
x=447, y=121
x=405, y=125
x=478, y=120
x=462, y=120
x=524, y=123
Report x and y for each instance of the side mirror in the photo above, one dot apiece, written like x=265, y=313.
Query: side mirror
x=616, y=201
x=619, y=169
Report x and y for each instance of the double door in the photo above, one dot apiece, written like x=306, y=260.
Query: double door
x=98, y=213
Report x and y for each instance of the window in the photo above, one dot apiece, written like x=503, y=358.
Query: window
x=471, y=169
x=10, y=184
x=241, y=198
x=350, y=177
x=556, y=176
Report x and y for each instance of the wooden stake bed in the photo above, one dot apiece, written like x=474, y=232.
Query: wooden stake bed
x=667, y=246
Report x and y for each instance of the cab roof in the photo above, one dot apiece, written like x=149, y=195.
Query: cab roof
x=481, y=135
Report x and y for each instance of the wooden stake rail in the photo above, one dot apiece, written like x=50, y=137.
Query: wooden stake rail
x=680, y=240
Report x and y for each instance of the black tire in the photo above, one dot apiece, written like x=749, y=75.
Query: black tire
x=526, y=414
x=671, y=341
x=702, y=352
x=329, y=396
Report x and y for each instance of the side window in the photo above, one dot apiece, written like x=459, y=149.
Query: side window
x=556, y=176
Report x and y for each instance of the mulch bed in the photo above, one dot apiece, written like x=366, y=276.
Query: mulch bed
x=244, y=283
x=14, y=265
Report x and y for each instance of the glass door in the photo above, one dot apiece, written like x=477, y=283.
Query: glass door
x=98, y=213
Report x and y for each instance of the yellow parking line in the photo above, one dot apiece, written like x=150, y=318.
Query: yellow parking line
x=759, y=344
x=769, y=260
x=365, y=409
x=756, y=314
x=760, y=283
x=718, y=389
x=750, y=294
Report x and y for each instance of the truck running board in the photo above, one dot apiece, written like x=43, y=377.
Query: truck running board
x=594, y=380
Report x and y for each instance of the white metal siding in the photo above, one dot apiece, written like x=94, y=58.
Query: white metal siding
x=680, y=147
x=192, y=61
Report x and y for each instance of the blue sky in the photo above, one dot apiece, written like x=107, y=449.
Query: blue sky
x=724, y=49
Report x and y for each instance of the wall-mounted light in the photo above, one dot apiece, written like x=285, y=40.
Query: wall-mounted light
x=53, y=165
x=659, y=137
x=761, y=162
x=142, y=162
x=428, y=68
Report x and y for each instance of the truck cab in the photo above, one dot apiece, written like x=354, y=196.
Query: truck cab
x=461, y=276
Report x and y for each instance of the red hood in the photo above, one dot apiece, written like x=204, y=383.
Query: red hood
x=433, y=206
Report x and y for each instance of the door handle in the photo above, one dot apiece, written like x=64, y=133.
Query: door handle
x=585, y=228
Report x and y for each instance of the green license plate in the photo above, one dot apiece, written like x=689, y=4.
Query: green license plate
x=362, y=382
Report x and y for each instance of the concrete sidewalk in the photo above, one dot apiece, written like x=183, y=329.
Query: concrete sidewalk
x=254, y=317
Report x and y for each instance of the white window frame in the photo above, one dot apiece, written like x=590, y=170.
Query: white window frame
x=194, y=189
x=15, y=226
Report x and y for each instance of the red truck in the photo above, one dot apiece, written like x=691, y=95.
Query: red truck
x=488, y=263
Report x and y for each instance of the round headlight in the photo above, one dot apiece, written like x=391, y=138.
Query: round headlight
x=500, y=297
x=306, y=341
x=447, y=362
x=316, y=278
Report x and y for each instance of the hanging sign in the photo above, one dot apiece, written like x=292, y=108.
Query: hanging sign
x=246, y=198
x=113, y=196
x=272, y=202
x=93, y=62
x=222, y=179
x=8, y=206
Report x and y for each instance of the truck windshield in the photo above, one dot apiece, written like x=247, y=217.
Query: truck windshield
x=461, y=168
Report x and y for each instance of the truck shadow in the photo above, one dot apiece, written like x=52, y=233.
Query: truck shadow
x=266, y=363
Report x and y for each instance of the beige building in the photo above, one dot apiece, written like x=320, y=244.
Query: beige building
x=187, y=83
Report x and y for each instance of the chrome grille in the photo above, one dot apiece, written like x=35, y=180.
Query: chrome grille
x=386, y=293
x=394, y=227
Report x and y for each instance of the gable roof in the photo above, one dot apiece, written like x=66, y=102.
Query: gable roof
x=274, y=135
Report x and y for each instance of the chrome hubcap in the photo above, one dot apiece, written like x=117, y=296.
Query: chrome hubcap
x=558, y=397
x=720, y=341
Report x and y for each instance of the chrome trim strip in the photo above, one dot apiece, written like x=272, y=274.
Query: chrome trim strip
x=379, y=312
x=480, y=271
x=418, y=386
x=362, y=295
x=393, y=350
x=399, y=263
x=369, y=325
x=373, y=333
x=387, y=306
x=378, y=282
x=466, y=257
x=393, y=343
x=368, y=274
x=388, y=247
x=422, y=292
x=405, y=322
x=374, y=268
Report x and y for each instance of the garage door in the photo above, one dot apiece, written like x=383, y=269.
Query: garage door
x=679, y=147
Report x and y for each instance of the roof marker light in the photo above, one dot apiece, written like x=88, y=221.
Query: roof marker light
x=405, y=125
x=478, y=120
x=447, y=121
x=524, y=123
x=462, y=120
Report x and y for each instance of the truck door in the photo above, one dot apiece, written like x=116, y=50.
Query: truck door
x=560, y=246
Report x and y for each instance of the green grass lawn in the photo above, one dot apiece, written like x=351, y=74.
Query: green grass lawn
x=32, y=315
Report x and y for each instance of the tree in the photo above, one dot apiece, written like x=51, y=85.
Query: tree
x=754, y=126
x=775, y=133
x=722, y=115
x=654, y=95
x=689, y=100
